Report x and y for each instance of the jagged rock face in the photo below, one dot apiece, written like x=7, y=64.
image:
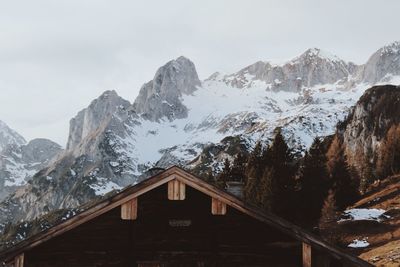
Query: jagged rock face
x=18, y=164
x=313, y=67
x=376, y=111
x=94, y=118
x=40, y=150
x=95, y=163
x=383, y=64
x=101, y=153
x=8, y=136
x=161, y=97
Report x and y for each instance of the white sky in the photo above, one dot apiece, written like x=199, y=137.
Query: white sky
x=57, y=56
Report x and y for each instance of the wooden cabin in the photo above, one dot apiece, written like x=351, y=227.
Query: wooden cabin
x=175, y=219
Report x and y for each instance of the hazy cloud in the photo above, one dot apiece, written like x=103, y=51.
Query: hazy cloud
x=56, y=56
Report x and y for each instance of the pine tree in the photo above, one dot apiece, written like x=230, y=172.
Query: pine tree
x=253, y=173
x=265, y=193
x=269, y=177
x=366, y=172
x=334, y=153
x=314, y=183
x=280, y=160
x=328, y=221
x=339, y=171
x=225, y=175
x=389, y=154
x=238, y=168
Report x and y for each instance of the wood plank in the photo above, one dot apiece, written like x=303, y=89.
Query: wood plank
x=148, y=264
x=171, y=190
x=307, y=255
x=182, y=190
x=218, y=207
x=129, y=210
x=176, y=190
x=19, y=261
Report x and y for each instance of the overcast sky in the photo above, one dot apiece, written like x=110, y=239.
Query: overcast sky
x=57, y=56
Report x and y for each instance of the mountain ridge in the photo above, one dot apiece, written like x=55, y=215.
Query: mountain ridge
x=113, y=142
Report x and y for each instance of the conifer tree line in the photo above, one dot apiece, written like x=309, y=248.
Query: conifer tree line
x=311, y=188
x=300, y=189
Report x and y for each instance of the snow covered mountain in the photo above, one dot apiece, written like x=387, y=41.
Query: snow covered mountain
x=19, y=162
x=313, y=67
x=177, y=119
x=383, y=65
x=8, y=136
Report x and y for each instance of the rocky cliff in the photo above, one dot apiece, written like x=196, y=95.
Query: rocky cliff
x=19, y=162
x=162, y=96
x=371, y=118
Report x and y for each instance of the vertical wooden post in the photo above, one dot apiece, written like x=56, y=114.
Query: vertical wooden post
x=19, y=260
x=306, y=255
x=176, y=190
x=218, y=207
x=129, y=210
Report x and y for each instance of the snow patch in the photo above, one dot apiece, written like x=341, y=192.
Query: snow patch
x=103, y=186
x=359, y=243
x=114, y=164
x=364, y=214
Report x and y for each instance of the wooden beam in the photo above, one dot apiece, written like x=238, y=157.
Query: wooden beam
x=19, y=261
x=307, y=255
x=129, y=210
x=176, y=190
x=218, y=207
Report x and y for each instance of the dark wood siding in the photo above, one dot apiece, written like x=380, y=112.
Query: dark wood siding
x=169, y=233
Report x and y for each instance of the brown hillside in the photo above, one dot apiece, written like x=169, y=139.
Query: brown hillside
x=383, y=235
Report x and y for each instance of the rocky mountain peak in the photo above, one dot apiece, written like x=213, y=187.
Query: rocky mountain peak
x=39, y=150
x=313, y=54
x=161, y=97
x=313, y=67
x=8, y=136
x=19, y=163
x=95, y=116
x=383, y=64
x=392, y=48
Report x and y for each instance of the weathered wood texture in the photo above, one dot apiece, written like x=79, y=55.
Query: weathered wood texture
x=129, y=210
x=218, y=207
x=19, y=261
x=176, y=190
x=307, y=260
x=202, y=240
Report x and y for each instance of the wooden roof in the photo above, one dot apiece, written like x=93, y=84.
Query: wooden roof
x=195, y=182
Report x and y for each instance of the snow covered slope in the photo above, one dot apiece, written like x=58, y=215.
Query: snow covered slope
x=19, y=163
x=19, y=160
